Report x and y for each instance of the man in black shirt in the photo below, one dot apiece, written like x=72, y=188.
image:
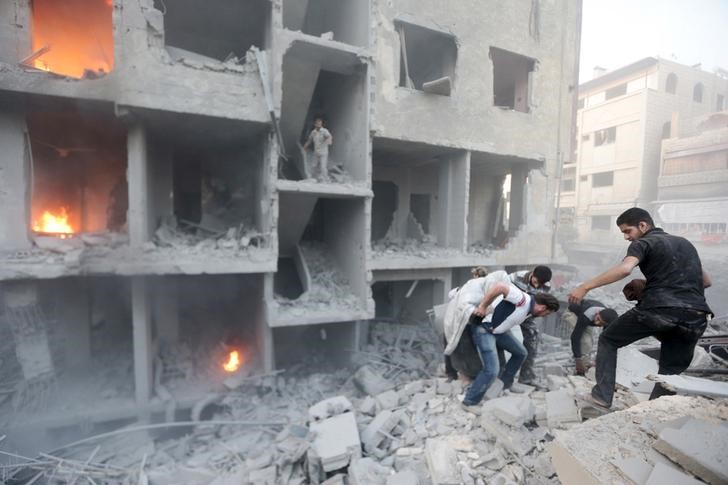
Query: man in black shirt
x=586, y=315
x=672, y=309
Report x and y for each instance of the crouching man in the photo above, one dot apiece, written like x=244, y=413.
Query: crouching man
x=583, y=318
x=512, y=307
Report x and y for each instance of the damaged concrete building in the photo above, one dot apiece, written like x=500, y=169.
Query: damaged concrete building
x=160, y=221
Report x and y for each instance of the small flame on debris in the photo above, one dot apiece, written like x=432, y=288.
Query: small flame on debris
x=233, y=362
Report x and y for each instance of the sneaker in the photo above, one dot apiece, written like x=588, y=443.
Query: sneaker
x=472, y=408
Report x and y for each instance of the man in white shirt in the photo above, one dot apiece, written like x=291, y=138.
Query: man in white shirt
x=490, y=329
x=321, y=139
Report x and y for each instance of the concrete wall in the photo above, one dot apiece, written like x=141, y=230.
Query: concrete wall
x=14, y=186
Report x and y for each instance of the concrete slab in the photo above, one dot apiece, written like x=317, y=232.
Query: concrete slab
x=337, y=440
x=515, y=441
x=329, y=407
x=442, y=462
x=634, y=468
x=699, y=447
x=494, y=390
x=405, y=477
x=663, y=474
x=370, y=382
x=388, y=399
x=561, y=409
x=633, y=367
x=512, y=410
x=693, y=386
x=366, y=471
x=374, y=433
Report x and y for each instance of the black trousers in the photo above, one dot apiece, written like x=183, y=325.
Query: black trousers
x=677, y=329
x=529, y=329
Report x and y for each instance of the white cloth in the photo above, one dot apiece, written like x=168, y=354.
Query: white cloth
x=321, y=140
x=463, y=304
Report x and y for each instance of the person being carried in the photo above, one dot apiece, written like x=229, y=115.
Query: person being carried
x=321, y=139
x=491, y=329
x=583, y=318
x=672, y=309
x=535, y=281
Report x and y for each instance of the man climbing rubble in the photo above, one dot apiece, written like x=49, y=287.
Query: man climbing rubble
x=672, y=308
x=582, y=318
x=502, y=307
x=535, y=281
x=321, y=139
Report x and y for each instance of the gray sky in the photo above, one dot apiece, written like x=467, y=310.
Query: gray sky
x=618, y=32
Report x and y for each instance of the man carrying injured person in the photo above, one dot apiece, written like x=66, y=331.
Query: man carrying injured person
x=583, y=318
x=502, y=307
x=672, y=307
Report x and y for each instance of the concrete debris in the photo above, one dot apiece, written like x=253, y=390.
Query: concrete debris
x=337, y=441
x=511, y=410
x=633, y=366
x=376, y=431
x=329, y=407
x=370, y=382
x=663, y=474
x=635, y=469
x=442, y=462
x=406, y=477
x=388, y=399
x=693, y=386
x=699, y=447
x=494, y=390
x=368, y=472
x=561, y=409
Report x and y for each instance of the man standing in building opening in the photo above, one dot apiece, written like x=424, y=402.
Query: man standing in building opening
x=321, y=139
x=490, y=330
x=583, y=318
x=672, y=309
x=533, y=282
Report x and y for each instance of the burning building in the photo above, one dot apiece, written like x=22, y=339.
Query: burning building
x=163, y=230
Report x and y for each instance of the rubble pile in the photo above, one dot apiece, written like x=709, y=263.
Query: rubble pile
x=425, y=247
x=231, y=240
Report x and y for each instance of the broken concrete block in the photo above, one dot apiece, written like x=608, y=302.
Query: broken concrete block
x=513, y=410
x=501, y=479
x=337, y=441
x=570, y=469
x=443, y=387
x=329, y=407
x=441, y=86
x=554, y=383
x=442, y=461
x=405, y=477
x=377, y=430
x=693, y=386
x=388, y=399
x=510, y=438
x=554, y=370
x=338, y=479
x=699, y=447
x=561, y=409
x=370, y=382
x=635, y=469
x=633, y=366
x=366, y=471
x=663, y=474
x=368, y=406
x=414, y=387
x=494, y=390
x=264, y=476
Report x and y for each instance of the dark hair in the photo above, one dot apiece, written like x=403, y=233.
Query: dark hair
x=542, y=273
x=608, y=315
x=319, y=117
x=548, y=300
x=633, y=217
x=479, y=271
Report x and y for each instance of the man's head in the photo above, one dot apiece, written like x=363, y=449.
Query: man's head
x=634, y=223
x=633, y=290
x=540, y=276
x=605, y=317
x=479, y=272
x=545, y=304
x=318, y=122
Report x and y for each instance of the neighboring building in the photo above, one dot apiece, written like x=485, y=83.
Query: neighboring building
x=693, y=184
x=622, y=117
x=156, y=208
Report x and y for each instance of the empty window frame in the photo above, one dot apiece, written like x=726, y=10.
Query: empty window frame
x=603, y=179
x=698, y=93
x=568, y=179
x=719, y=102
x=511, y=79
x=583, y=178
x=580, y=103
x=217, y=28
x=427, y=59
x=671, y=83
x=601, y=222
x=615, y=91
x=605, y=136
x=666, y=130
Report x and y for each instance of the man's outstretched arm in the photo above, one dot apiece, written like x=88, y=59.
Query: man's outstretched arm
x=616, y=273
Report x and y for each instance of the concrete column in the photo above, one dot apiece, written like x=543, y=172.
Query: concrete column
x=453, y=195
x=142, y=329
x=138, y=178
x=14, y=180
x=265, y=332
x=519, y=176
x=166, y=309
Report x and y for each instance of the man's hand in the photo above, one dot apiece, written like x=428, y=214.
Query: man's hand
x=580, y=366
x=577, y=294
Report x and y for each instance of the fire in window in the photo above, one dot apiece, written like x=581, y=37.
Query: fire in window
x=72, y=37
x=78, y=168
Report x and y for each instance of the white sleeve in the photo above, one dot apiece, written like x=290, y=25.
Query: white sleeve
x=515, y=295
x=519, y=314
x=452, y=293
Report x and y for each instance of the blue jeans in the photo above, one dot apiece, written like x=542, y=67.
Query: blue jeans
x=487, y=344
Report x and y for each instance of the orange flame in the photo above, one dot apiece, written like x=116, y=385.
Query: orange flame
x=71, y=37
x=233, y=362
x=53, y=223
